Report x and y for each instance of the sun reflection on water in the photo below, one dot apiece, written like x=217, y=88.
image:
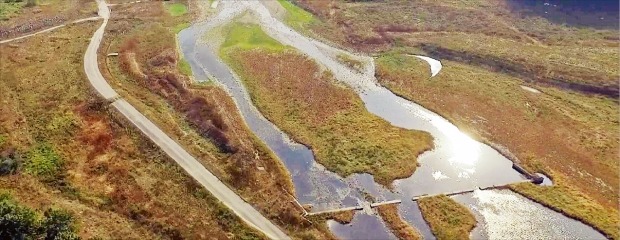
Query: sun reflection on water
x=464, y=152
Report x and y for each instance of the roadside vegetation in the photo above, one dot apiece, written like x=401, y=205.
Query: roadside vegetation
x=309, y=105
x=62, y=148
x=297, y=17
x=202, y=117
x=489, y=49
x=398, y=226
x=447, y=218
x=21, y=222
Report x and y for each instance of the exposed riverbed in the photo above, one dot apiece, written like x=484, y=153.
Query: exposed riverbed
x=457, y=163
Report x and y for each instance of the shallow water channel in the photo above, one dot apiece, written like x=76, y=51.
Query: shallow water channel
x=457, y=163
x=503, y=214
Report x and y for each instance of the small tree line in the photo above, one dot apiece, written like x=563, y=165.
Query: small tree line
x=20, y=222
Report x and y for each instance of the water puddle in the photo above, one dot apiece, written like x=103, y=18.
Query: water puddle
x=457, y=163
x=503, y=214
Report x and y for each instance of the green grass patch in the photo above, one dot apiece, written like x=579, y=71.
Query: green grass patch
x=10, y=9
x=176, y=9
x=248, y=36
x=3, y=139
x=179, y=27
x=43, y=161
x=448, y=219
x=296, y=17
x=184, y=67
x=62, y=124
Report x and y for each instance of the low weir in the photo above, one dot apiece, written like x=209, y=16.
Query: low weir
x=359, y=207
x=416, y=198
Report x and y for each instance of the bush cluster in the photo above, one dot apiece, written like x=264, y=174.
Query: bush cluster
x=43, y=162
x=20, y=222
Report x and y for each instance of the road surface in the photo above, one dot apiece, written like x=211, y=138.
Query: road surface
x=196, y=170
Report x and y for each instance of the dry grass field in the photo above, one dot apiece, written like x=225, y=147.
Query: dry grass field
x=76, y=154
x=400, y=228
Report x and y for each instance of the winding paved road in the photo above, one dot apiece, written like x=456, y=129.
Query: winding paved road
x=229, y=198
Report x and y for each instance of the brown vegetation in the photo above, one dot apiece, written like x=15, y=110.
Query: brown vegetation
x=447, y=218
x=54, y=12
x=310, y=106
x=160, y=78
x=400, y=228
x=344, y=217
x=373, y=26
x=587, y=81
x=579, y=142
x=190, y=111
x=115, y=183
x=488, y=49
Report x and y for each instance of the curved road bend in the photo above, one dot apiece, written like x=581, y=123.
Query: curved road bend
x=231, y=200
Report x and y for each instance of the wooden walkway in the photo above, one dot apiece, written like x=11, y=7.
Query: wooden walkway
x=355, y=208
x=398, y=201
x=415, y=198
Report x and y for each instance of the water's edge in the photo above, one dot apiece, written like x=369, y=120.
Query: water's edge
x=457, y=163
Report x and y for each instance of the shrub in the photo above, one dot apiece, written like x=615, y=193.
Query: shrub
x=58, y=224
x=3, y=139
x=44, y=162
x=9, y=161
x=20, y=222
x=16, y=222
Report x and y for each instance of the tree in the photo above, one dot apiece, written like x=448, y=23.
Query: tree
x=16, y=222
x=58, y=224
x=9, y=161
x=20, y=222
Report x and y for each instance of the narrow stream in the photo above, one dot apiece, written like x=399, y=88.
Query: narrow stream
x=314, y=185
x=457, y=163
